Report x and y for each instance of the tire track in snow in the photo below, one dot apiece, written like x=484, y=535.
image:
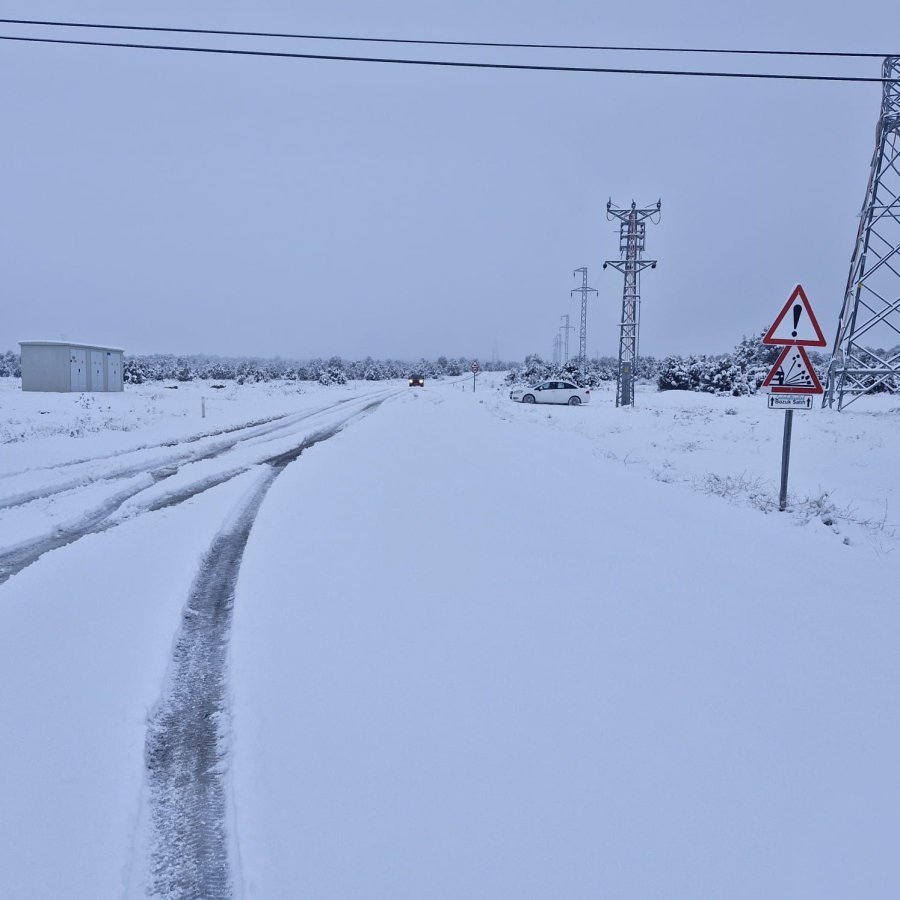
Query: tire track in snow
x=186, y=762
x=14, y=559
x=18, y=557
x=191, y=439
x=189, y=849
x=243, y=435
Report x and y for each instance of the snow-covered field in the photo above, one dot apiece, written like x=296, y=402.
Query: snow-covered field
x=476, y=649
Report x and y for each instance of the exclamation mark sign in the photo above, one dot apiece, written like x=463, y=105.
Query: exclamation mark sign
x=796, y=311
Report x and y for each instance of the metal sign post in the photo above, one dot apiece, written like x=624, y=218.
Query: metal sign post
x=793, y=380
x=785, y=458
x=476, y=368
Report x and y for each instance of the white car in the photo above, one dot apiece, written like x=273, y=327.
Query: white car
x=552, y=392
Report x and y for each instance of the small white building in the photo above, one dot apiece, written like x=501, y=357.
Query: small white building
x=64, y=366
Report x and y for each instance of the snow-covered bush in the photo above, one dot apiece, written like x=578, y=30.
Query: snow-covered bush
x=737, y=374
x=10, y=365
x=133, y=371
x=675, y=375
x=596, y=371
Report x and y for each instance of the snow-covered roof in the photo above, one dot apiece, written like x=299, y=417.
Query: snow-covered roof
x=67, y=344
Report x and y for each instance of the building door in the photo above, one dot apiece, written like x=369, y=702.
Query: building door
x=96, y=370
x=113, y=371
x=78, y=362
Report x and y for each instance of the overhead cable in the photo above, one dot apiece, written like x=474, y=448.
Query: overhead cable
x=219, y=32
x=778, y=76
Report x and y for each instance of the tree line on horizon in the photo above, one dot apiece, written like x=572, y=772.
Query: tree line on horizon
x=737, y=373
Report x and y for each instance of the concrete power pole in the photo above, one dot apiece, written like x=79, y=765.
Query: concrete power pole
x=584, y=290
x=631, y=248
x=870, y=316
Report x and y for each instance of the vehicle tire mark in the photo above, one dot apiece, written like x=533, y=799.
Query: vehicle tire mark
x=254, y=433
x=185, y=756
x=14, y=559
x=103, y=456
x=189, y=849
x=102, y=518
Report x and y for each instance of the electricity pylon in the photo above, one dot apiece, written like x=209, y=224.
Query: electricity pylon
x=566, y=329
x=557, y=344
x=866, y=352
x=631, y=247
x=584, y=290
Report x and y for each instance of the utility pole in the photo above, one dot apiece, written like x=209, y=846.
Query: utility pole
x=566, y=329
x=871, y=310
x=631, y=264
x=584, y=290
x=556, y=342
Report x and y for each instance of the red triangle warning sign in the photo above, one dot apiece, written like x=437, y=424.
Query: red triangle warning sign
x=796, y=324
x=793, y=373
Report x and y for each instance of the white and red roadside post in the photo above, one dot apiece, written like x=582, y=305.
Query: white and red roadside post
x=793, y=382
x=476, y=368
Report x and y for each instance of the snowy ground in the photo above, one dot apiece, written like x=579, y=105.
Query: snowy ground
x=842, y=466
x=475, y=649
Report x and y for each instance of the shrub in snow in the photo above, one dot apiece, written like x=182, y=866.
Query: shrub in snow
x=674, y=375
x=248, y=371
x=331, y=374
x=723, y=376
x=596, y=371
x=737, y=374
x=133, y=371
x=10, y=365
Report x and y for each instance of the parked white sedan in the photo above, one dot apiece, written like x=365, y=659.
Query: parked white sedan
x=552, y=392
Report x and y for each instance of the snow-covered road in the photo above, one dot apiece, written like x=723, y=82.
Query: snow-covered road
x=107, y=684
x=478, y=661
x=471, y=654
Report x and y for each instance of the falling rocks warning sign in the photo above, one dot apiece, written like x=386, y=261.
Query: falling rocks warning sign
x=793, y=373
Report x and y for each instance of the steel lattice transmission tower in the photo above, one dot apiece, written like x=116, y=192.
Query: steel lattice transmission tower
x=557, y=344
x=633, y=223
x=584, y=290
x=565, y=329
x=869, y=325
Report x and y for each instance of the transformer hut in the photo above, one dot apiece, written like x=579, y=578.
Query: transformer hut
x=62, y=366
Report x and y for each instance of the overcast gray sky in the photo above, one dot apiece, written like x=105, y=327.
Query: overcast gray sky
x=168, y=202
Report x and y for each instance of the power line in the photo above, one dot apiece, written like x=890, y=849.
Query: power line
x=218, y=32
x=223, y=51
